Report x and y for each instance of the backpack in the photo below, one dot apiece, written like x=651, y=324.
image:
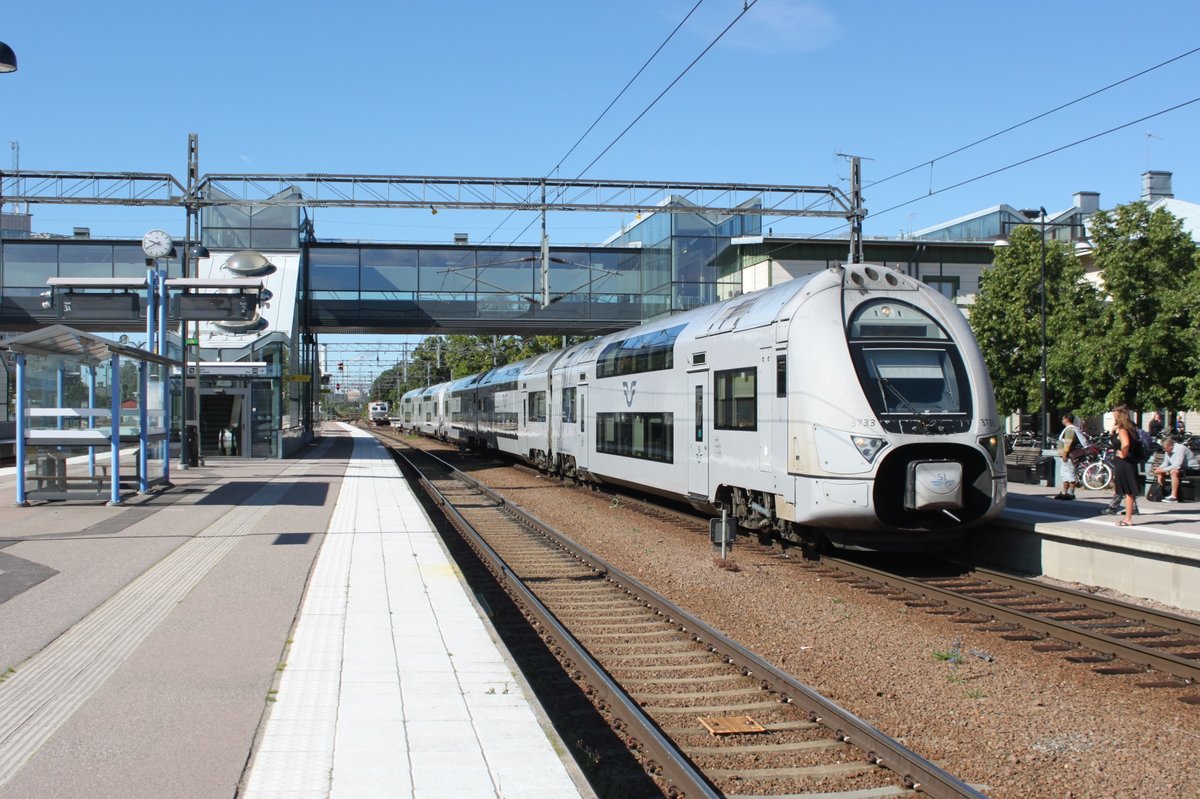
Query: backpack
x=1154, y=493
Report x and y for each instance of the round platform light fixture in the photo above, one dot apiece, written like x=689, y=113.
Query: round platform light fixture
x=249, y=263
x=8, y=59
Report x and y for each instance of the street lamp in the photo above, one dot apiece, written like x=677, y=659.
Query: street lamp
x=1043, y=422
x=8, y=59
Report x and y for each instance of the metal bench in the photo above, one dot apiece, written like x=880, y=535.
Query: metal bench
x=1026, y=465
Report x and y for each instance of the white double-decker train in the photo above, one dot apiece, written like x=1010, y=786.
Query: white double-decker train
x=850, y=406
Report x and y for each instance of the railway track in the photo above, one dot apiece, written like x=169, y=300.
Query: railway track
x=1109, y=636
x=705, y=716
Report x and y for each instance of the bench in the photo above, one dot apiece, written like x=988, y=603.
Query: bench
x=1026, y=465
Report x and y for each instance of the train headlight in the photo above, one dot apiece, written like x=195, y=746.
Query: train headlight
x=992, y=445
x=868, y=447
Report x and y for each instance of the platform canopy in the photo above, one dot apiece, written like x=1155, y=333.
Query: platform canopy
x=60, y=340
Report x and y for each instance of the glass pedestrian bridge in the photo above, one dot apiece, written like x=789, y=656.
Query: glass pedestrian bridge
x=414, y=288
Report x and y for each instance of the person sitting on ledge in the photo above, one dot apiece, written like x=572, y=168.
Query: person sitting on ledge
x=1179, y=460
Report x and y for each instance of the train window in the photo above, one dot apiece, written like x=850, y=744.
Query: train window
x=912, y=381
x=699, y=413
x=735, y=399
x=888, y=319
x=781, y=375
x=649, y=436
x=649, y=352
x=568, y=405
x=537, y=406
x=582, y=413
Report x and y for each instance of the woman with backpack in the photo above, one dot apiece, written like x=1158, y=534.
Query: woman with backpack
x=1129, y=455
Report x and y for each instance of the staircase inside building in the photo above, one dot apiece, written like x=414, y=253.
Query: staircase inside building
x=220, y=425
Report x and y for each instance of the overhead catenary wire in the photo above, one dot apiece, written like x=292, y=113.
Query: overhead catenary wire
x=745, y=9
x=746, y=6
x=1016, y=164
x=597, y=120
x=1054, y=110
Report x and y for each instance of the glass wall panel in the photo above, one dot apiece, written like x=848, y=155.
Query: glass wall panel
x=389, y=270
x=333, y=269
x=128, y=261
x=510, y=270
x=451, y=269
x=694, y=258
x=692, y=225
x=280, y=239
x=88, y=260
x=29, y=265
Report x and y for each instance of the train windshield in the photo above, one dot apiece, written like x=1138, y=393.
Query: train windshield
x=910, y=369
x=905, y=381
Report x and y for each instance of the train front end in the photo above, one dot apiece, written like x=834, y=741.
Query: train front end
x=909, y=456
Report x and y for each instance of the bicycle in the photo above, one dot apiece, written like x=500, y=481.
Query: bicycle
x=1097, y=475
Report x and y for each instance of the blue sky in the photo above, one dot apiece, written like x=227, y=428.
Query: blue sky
x=505, y=89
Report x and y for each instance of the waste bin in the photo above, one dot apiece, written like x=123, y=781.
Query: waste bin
x=52, y=466
x=1046, y=471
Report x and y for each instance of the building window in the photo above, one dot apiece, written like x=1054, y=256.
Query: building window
x=649, y=436
x=735, y=399
x=946, y=285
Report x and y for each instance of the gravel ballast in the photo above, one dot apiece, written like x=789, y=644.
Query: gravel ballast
x=1016, y=723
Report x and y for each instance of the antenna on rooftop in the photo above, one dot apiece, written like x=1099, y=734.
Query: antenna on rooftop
x=18, y=208
x=1150, y=136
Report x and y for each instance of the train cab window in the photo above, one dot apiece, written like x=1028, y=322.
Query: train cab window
x=909, y=368
x=735, y=399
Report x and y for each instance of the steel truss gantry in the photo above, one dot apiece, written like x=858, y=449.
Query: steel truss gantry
x=426, y=192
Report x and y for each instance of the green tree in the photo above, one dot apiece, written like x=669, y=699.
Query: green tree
x=1006, y=318
x=1190, y=298
x=1144, y=349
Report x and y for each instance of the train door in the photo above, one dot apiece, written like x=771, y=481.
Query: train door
x=581, y=429
x=768, y=409
x=697, y=447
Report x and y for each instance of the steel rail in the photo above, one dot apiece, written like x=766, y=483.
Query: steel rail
x=677, y=768
x=880, y=749
x=1063, y=631
x=1159, y=618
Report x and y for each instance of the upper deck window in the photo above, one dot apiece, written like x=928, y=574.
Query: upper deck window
x=648, y=352
x=887, y=319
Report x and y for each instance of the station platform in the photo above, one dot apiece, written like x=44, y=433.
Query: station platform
x=1074, y=540
x=265, y=628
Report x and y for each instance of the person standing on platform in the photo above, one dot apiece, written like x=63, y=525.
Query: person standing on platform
x=1070, y=443
x=1129, y=454
x=1156, y=426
